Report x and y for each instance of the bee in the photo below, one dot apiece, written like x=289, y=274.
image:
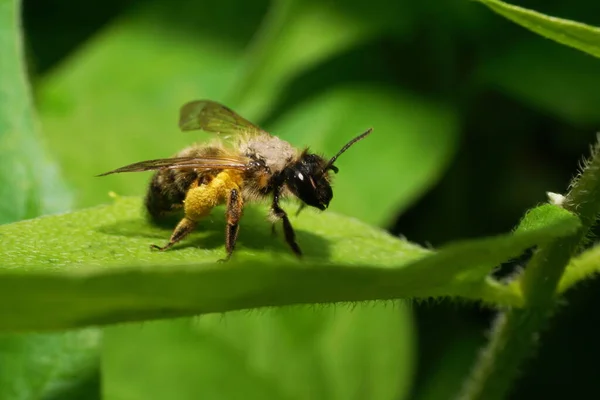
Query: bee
x=244, y=164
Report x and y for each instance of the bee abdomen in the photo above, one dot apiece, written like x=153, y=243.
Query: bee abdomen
x=157, y=204
x=166, y=193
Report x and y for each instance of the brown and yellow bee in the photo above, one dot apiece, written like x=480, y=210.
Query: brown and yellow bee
x=257, y=166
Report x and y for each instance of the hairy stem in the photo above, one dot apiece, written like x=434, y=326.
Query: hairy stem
x=515, y=333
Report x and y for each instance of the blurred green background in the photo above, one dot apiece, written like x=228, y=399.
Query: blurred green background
x=475, y=119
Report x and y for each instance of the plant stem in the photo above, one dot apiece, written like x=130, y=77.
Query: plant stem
x=515, y=333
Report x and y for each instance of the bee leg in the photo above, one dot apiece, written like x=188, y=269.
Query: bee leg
x=235, y=205
x=183, y=228
x=198, y=202
x=288, y=231
x=274, y=227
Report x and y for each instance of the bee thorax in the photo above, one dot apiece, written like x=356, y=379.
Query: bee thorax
x=275, y=153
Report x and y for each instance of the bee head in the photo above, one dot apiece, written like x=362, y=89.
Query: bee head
x=309, y=178
x=306, y=180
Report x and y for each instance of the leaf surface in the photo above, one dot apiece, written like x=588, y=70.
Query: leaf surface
x=95, y=267
x=574, y=34
x=297, y=352
x=33, y=366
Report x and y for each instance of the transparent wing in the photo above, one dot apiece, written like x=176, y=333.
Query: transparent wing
x=218, y=162
x=211, y=116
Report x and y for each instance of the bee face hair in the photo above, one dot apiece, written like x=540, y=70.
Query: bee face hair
x=306, y=179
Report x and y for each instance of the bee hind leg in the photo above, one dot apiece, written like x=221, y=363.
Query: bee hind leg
x=198, y=203
x=201, y=199
x=183, y=228
x=235, y=205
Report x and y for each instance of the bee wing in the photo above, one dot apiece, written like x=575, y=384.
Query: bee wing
x=211, y=116
x=205, y=162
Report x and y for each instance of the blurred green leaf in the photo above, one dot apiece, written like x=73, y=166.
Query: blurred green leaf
x=584, y=266
x=412, y=142
x=95, y=267
x=569, y=86
x=117, y=100
x=286, y=46
x=30, y=184
x=50, y=366
x=570, y=33
x=362, y=352
x=32, y=366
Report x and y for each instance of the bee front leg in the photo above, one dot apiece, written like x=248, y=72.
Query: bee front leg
x=235, y=205
x=288, y=231
x=273, y=227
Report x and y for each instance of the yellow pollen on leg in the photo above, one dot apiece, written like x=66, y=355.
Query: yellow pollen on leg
x=200, y=200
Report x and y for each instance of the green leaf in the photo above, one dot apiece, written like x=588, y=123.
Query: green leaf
x=284, y=48
x=546, y=215
x=97, y=267
x=50, y=366
x=585, y=266
x=570, y=33
x=385, y=173
x=30, y=184
x=154, y=65
x=568, y=88
x=33, y=366
x=297, y=352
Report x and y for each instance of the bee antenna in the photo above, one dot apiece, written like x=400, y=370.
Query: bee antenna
x=330, y=165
